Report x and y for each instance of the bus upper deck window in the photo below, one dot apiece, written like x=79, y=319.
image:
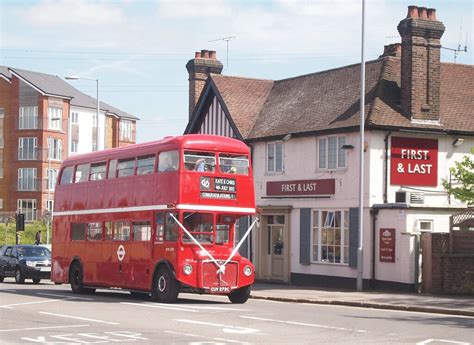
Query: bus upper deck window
x=112, y=168
x=168, y=161
x=82, y=173
x=97, y=171
x=233, y=164
x=66, y=175
x=199, y=161
x=126, y=167
x=145, y=164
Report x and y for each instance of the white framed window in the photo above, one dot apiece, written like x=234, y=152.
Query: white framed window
x=330, y=236
x=50, y=206
x=74, y=117
x=28, y=118
x=55, y=117
x=27, y=148
x=331, y=155
x=126, y=130
x=74, y=146
x=55, y=149
x=27, y=179
x=275, y=157
x=52, y=175
x=1, y=204
x=425, y=225
x=28, y=207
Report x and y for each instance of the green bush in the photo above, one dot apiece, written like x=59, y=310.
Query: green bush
x=7, y=233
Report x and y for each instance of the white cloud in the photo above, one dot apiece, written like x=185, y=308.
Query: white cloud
x=194, y=8
x=82, y=13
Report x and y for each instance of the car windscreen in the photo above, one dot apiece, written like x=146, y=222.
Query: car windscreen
x=34, y=252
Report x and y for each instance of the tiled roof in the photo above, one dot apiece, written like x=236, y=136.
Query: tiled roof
x=55, y=86
x=330, y=100
x=243, y=97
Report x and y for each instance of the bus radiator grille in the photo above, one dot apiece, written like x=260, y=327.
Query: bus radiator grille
x=210, y=278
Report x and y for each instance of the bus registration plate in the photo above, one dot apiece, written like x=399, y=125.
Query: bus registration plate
x=219, y=289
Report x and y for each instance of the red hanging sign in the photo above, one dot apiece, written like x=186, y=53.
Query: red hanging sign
x=414, y=162
x=387, y=245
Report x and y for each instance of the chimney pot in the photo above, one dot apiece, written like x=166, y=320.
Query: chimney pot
x=432, y=14
x=212, y=54
x=412, y=12
x=197, y=55
x=422, y=13
x=205, y=54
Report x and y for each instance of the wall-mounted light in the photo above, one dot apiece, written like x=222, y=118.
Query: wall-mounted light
x=347, y=147
x=287, y=137
x=458, y=141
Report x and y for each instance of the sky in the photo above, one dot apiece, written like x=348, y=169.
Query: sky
x=138, y=49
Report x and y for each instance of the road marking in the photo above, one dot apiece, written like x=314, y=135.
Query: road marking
x=40, y=328
x=203, y=337
x=303, y=324
x=78, y=318
x=219, y=308
x=427, y=341
x=10, y=306
x=64, y=296
x=225, y=328
x=160, y=306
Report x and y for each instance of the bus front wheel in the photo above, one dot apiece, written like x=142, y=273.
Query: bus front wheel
x=241, y=295
x=165, y=286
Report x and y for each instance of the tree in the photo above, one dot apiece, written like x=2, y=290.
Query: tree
x=463, y=174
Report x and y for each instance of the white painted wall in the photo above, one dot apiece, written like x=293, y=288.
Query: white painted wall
x=300, y=163
x=85, y=129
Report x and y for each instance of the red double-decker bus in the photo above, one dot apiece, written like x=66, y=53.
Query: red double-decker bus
x=155, y=218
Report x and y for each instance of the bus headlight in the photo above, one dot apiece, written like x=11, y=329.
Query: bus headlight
x=187, y=269
x=248, y=271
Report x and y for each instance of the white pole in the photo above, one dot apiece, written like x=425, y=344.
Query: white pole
x=98, y=109
x=360, y=249
x=48, y=211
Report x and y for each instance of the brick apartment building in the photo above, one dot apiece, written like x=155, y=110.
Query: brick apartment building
x=43, y=120
x=304, y=137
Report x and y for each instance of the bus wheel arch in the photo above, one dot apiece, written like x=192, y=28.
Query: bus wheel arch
x=165, y=287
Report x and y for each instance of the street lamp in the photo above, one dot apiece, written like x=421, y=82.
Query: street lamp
x=73, y=77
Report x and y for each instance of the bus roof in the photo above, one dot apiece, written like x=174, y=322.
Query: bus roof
x=204, y=142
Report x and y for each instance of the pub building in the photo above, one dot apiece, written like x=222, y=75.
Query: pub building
x=304, y=137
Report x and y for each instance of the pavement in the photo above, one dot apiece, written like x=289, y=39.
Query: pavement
x=462, y=305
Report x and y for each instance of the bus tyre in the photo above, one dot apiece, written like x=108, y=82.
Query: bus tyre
x=241, y=295
x=75, y=279
x=1, y=279
x=19, y=277
x=165, y=286
x=36, y=280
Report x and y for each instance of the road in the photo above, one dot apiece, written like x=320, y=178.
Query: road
x=51, y=314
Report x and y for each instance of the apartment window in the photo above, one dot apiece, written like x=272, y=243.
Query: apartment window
x=2, y=115
x=275, y=157
x=330, y=236
x=55, y=149
x=52, y=177
x=50, y=206
x=27, y=179
x=55, y=116
x=28, y=118
x=74, y=118
x=1, y=204
x=28, y=208
x=27, y=148
x=74, y=146
x=331, y=154
x=126, y=130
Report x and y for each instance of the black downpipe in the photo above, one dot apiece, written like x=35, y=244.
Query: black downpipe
x=374, y=212
x=385, y=187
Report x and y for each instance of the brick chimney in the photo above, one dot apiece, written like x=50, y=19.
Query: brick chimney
x=204, y=63
x=420, y=63
x=394, y=49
